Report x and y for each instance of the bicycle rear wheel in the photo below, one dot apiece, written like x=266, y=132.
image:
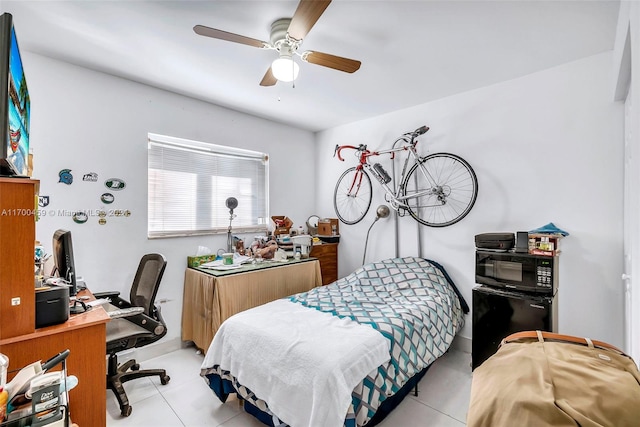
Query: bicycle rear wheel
x=440, y=189
x=352, y=195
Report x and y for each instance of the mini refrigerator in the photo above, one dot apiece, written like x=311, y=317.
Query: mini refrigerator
x=498, y=313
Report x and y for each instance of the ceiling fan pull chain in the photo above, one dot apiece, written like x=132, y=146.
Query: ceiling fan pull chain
x=293, y=71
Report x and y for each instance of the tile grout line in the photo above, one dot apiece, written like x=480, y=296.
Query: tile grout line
x=226, y=421
x=167, y=402
x=437, y=410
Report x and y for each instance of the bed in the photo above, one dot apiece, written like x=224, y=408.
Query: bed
x=342, y=354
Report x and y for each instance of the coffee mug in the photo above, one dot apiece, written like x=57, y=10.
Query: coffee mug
x=227, y=259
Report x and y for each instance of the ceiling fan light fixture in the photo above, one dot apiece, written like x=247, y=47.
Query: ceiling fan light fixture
x=285, y=38
x=285, y=69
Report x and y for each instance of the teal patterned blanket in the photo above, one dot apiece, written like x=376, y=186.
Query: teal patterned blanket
x=411, y=302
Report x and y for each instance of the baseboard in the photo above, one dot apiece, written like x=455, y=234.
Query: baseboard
x=461, y=344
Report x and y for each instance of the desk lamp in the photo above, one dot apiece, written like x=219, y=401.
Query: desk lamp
x=231, y=203
x=381, y=212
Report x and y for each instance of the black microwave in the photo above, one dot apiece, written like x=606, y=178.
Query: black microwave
x=517, y=271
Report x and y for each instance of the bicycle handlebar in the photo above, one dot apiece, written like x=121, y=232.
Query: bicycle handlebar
x=339, y=148
x=420, y=131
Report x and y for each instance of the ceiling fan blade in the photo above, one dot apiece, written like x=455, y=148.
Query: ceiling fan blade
x=268, y=79
x=331, y=61
x=230, y=37
x=305, y=16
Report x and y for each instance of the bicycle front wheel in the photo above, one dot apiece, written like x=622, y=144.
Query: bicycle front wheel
x=352, y=195
x=440, y=189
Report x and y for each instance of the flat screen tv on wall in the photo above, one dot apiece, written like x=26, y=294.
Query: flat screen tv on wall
x=15, y=104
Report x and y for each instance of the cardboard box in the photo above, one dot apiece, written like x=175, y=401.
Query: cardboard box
x=328, y=227
x=197, y=261
x=283, y=224
x=544, y=253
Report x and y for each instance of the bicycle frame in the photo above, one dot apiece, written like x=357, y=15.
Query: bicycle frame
x=392, y=196
x=437, y=190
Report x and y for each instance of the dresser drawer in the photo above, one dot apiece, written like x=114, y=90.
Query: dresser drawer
x=327, y=254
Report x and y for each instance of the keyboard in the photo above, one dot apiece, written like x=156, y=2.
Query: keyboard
x=125, y=312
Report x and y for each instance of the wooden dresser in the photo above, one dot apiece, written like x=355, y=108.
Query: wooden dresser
x=327, y=254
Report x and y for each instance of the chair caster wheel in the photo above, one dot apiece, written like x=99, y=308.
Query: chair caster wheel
x=165, y=379
x=135, y=367
x=126, y=411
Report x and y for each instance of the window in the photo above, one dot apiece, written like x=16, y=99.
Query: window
x=189, y=183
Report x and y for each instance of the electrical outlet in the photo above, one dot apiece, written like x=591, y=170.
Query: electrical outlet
x=15, y=301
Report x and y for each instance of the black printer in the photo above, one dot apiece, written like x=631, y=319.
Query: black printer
x=52, y=305
x=495, y=241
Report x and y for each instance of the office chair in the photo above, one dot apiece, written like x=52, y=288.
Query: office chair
x=134, y=323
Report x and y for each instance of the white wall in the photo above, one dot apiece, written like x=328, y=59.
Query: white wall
x=92, y=122
x=546, y=147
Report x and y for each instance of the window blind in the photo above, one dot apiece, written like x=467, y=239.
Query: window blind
x=190, y=181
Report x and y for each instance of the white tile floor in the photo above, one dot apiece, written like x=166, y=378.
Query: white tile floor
x=187, y=401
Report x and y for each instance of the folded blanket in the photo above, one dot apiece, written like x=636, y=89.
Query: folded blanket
x=302, y=362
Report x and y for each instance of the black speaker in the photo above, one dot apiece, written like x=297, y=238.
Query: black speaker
x=522, y=242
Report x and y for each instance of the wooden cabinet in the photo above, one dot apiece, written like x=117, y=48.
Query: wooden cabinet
x=83, y=334
x=327, y=254
x=17, y=238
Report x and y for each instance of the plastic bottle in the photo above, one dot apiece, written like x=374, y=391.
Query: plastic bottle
x=381, y=174
x=4, y=366
x=4, y=399
x=4, y=395
x=30, y=162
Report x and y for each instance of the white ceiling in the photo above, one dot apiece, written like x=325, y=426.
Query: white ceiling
x=412, y=52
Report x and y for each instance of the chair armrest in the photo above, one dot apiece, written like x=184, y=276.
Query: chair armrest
x=104, y=295
x=114, y=298
x=156, y=326
x=125, y=312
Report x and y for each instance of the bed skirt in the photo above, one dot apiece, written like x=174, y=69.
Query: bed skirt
x=223, y=388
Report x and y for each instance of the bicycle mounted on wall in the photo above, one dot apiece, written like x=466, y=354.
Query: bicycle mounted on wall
x=437, y=190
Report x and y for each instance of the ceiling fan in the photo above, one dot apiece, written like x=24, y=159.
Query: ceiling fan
x=286, y=38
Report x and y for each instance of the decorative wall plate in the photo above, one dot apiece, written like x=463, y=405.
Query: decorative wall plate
x=80, y=217
x=115, y=184
x=65, y=176
x=91, y=177
x=107, y=198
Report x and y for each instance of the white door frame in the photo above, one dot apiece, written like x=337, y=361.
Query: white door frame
x=630, y=226
x=627, y=89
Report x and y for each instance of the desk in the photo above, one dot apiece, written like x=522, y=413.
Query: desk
x=211, y=297
x=85, y=337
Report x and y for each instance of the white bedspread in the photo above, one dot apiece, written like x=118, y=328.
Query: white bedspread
x=302, y=362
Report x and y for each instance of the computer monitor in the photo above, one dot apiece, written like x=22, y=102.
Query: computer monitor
x=63, y=259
